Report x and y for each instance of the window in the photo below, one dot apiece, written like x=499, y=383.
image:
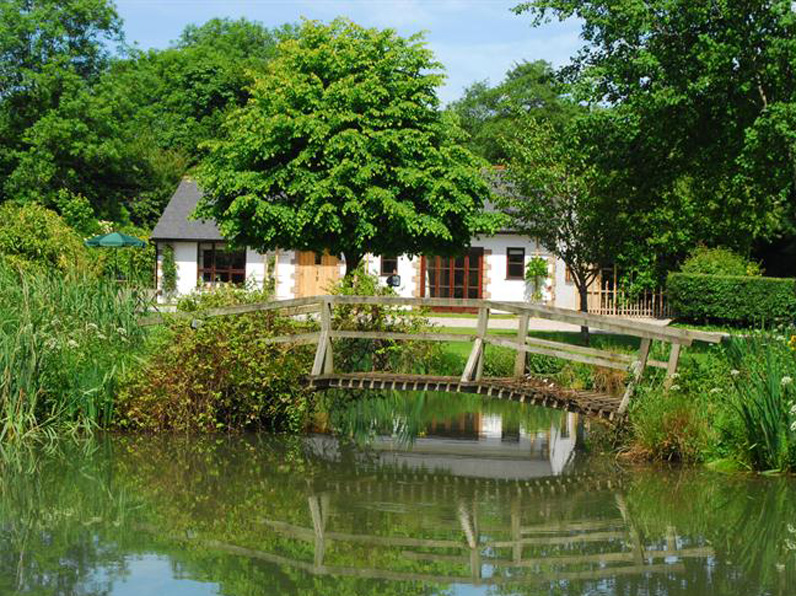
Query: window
x=515, y=263
x=568, y=275
x=389, y=265
x=219, y=265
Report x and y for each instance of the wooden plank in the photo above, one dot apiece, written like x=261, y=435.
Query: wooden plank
x=237, y=309
x=426, y=336
x=299, y=338
x=641, y=364
x=510, y=343
x=671, y=367
x=522, y=333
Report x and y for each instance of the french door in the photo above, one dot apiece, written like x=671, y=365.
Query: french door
x=453, y=277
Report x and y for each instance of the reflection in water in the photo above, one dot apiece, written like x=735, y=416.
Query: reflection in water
x=308, y=515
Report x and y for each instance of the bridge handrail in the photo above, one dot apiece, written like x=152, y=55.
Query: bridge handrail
x=323, y=364
x=573, y=317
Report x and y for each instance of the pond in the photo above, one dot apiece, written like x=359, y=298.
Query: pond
x=472, y=501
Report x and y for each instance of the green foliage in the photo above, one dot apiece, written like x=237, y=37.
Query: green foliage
x=353, y=355
x=536, y=272
x=32, y=237
x=489, y=114
x=76, y=211
x=764, y=395
x=221, y=376
x=719, y=261
x=543, y=164
x=169, y=271
x=342, y=148
x=699, y=134
x=739, y=300
x=222, y=295
x=64, y=341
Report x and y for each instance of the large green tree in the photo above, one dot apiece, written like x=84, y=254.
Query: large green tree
x=343, y=148
x=490, y=113
x=701, y=140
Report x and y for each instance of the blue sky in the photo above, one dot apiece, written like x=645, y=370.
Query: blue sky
x=474, y=39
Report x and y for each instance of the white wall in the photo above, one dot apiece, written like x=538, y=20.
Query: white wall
x=284, y=274
x=407, y=269
x=500, y=288
x=566, y=292
x=255, y=268
x=187, y=267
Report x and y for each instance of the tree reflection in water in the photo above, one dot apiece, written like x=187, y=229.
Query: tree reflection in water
x=302, y=515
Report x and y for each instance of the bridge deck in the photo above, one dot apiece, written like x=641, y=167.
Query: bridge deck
x=525, y=390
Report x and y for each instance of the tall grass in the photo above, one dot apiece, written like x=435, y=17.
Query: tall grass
x=64, y=340
x=764, y=396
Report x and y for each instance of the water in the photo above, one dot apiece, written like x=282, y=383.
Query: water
x=484, y=503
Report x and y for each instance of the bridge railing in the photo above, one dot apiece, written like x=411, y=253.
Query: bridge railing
x=321, y=307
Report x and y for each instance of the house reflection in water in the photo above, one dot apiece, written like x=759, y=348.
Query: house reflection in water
x=480, y=445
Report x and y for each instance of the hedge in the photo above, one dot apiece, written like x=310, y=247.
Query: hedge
x=731, y=299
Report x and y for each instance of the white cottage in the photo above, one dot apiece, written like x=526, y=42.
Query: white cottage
x=493, y=268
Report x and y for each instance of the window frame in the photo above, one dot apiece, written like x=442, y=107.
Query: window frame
x=382, y=272
x=216, y=247
x=509, y=249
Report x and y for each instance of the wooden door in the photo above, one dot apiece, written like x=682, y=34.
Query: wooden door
x=317, y=273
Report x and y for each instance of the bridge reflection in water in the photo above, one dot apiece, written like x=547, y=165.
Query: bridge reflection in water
x=468, y=503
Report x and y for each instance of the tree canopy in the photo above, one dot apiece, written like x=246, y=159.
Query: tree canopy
x=700, y=139
x=488, y=114
x=342, y=148
x=80, y=113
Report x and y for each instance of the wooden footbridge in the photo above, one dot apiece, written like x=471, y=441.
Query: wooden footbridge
x=319, y=310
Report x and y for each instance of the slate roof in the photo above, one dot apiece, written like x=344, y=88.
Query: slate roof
x=175, y=224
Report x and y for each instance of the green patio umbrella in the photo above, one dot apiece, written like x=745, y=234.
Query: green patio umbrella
x=116, y=240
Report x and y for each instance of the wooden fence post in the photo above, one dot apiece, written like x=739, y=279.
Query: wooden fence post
x=521, y=358
x=640, y=365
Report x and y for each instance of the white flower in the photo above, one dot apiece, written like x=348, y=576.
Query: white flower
x=715, y=390
x=793, y=410
x=675, y=376
x=675, y=387
x=791, y=529
x=734, y=372
x=121, y=331
x=786, y=381
x=92, y=326
x=101, y=337
x=793, y=427
x=72, y=344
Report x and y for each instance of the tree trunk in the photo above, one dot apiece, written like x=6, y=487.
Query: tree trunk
x=352, y=261
x=584, y=307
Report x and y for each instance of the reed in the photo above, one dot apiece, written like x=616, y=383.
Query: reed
x=765, y=398
x=64, y=341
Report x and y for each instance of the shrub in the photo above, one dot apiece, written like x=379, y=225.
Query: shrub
x=32, y=237
x=719, y=261
x=734, y=299
x=64, y=341
x=222, y=295
x=221, y=376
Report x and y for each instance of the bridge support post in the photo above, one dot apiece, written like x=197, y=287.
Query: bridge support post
x=671, y=367
x=522, y=356
x=640, y=365
x=324, y=359
x=474, y=369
